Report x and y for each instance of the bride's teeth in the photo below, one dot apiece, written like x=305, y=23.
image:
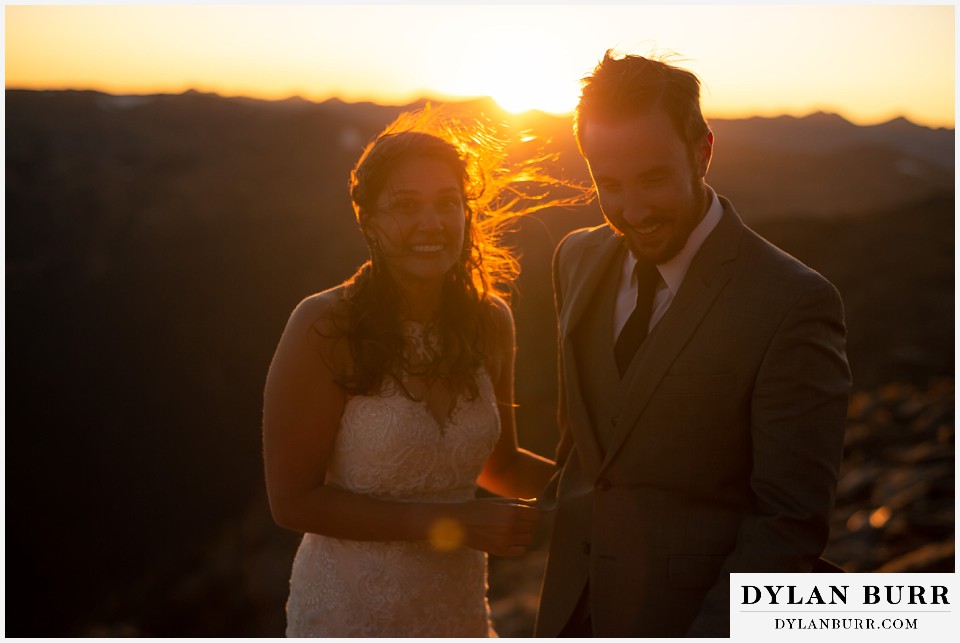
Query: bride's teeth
x=648, y=229
x=426, y=248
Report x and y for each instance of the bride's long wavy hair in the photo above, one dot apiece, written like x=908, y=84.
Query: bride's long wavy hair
x=495, y=192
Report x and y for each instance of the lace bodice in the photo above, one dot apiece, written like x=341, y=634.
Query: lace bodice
x=394, y=448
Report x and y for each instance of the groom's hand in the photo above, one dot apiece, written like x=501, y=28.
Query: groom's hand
x=499, y=526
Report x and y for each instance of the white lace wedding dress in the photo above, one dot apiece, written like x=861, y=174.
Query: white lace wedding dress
x=393, y=448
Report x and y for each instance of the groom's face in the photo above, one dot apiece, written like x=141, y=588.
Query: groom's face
x=649, y=182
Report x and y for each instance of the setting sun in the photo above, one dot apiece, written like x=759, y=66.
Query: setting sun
x=516, y=97
x=524, y=71
x=535, y=89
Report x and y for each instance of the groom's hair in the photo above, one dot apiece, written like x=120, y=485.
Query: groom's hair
x=620, y=88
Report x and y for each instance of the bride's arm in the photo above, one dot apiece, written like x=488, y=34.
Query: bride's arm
x=511, y=471
x=302, y=409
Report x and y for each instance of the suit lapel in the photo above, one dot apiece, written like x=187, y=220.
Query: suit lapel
x=708, y=273
x=585, y=279
x=586, y=273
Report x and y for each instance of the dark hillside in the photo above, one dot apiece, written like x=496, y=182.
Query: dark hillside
x=155, y=246
x=894, y=270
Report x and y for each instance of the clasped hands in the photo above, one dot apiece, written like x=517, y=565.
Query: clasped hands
x=499, y=526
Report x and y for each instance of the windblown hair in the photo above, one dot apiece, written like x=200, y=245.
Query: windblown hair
x=494, y=194
x=620, y=88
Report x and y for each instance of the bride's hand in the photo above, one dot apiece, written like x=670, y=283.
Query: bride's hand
x=500, y=526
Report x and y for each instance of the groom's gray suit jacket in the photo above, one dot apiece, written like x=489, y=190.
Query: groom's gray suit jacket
x=717, y=452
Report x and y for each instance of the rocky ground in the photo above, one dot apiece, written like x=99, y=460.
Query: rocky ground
x=895, y=503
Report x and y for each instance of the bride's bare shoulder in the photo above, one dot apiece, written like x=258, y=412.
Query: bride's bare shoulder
x=322, y=305
x=321, y=315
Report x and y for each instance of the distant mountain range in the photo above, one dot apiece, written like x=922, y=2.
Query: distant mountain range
x=816, y=165
x=824, y=165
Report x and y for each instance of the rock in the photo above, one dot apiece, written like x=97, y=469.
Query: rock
x=934, y=557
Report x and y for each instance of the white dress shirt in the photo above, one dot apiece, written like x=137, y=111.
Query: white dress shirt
x=672, y=272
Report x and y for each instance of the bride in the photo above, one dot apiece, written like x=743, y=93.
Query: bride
x=390, y=398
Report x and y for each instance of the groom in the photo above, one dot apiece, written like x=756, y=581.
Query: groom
x=704, y=381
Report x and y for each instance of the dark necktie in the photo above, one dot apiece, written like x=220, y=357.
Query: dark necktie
x=635, y=330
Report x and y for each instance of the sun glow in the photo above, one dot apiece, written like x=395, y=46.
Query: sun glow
x=518, y=100
x=524, y=71
x=524, y=56
x=516, y=94
x=524, y=87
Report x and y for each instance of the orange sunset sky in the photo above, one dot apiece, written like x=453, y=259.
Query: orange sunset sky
x=869, y=63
